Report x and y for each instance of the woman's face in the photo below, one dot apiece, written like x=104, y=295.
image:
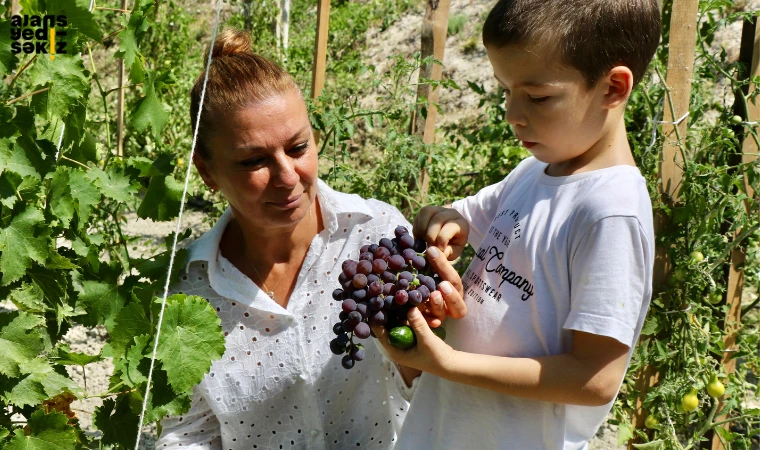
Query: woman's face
x=264, y=161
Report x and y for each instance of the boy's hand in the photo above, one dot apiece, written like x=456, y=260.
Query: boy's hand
x=443, y=227
x=430, y=354
x=448, y=299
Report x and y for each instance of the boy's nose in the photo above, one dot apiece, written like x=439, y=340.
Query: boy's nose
x=513, y=114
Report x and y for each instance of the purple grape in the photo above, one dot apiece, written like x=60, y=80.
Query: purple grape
x=361, y=330
x=337, y=294
x=343, y=277
x=418, y=262
x=388, y=302
x=394, y=252
x=408, y=254
x=378, y=318
x=379, y=266
x=348, y=285
x=359, y=294
x=362, y=308
x=338, y=328
x=354, y=317
x=347, y=362
x=395, y=244
x=400, y=231
x=406, y=275
x=396, y=263
x=400, y=298
x=376, y=304
x=375, y=289
x=382, y=253
x=406, y=241
x=415, y=298
x=364, y=267
x=420, y=245
x=336, y=347
x=373, y=248
x=364, y=248
x=387, y=287
x=371, y=278
x=348, y=306
x=403, y=283
x=366, y=256
x=343, y=315
x=386, y=243
x=427, y=282
x=343, y=339
x=348, y=326
x=358, y=354
x=349, y=268
x=359, y=280
x=388, y=277
x=424, y=292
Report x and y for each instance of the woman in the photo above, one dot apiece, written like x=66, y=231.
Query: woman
x=269, y=267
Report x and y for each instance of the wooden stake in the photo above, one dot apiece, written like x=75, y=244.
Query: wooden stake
x=433, y=43
x=15, y=7
x=683, y=33
x=750, y=46
x=320, y=53
x=120, y=103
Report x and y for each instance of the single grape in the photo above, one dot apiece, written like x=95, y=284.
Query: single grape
x=376, y=304
x=337, y=294
x=408, y=254
x=343, y=339
x=424, y=292
x=415, y=282
x=364, y=248
x=354, y=317
x=406, y=241
x=364, y=267
x=382, y=253
x=336, y=347
x=348, y=305
x=343, y=315
x=373, y=248
x=359, y=280
x=400, y=298
x=403, y=283
x=420, y=245
x=348, y=325
x=361, y=330
x=362, y=308
x=427, y=282
x=388, y=277
x=379, y=266
x=348, y=285
x=375, y=288
x=347, y=362
x=342, y=278
x=338, y=328
x=395, y=244
x=386, y=243
x=394, y=251
x=378, y=318
x=357, y=354
x=396, y=263
x=415, y=298
x=418, y=262
x=388, y=302
x=371, y=278
x=366, y=256
x=406, y=275
x=400, y=231
x=350, y=269
x=359, y=294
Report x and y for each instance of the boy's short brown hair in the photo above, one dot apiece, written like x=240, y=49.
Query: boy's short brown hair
x=592, y=36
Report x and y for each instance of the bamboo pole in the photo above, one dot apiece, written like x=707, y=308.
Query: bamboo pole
x=15, y=7
x=320, y=53
x=120, y=102
x=432, y=43
x=683, y=32
x=750, y=46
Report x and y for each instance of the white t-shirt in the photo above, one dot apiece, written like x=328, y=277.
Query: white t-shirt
x=555, y=254
x=278, y=385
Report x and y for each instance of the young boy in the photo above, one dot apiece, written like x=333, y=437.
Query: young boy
x=560, y=285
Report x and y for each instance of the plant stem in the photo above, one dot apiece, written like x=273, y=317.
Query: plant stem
x=28, y=94
x=719, y=260
x=13, y=80
x=73, y=161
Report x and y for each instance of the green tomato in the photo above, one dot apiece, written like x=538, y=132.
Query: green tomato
x=715, y=297
x=679, y=274
x=696, y=256
x=690, y=401
x=730, y=134
x=715, y=388
x=736, y=120
x=651, y=422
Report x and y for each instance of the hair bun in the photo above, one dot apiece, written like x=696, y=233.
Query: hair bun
x=231, y=42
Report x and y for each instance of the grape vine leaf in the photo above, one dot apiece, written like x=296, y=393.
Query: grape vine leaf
x=84, y=194
x=133, y=32
x=148, y=111
x=130, y=322
x=41, y=383
x=8, y=194
x=68, y=358
x=20, y=246
x=20, y=341
x=103, y=301
x=8, y=60
x=162, y=200
x=114, y=184
x=117, y=422
x=28, y=297
x=14, y=159
x=134, y=367
x=71, y=191
x=46, y=432
x=67, y=80
x=191, y=336
x=77, y=16
x=163, y=400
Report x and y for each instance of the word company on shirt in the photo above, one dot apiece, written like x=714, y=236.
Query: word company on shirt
x=37, y=28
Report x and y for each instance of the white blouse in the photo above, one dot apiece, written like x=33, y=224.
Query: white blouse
x=278, y=385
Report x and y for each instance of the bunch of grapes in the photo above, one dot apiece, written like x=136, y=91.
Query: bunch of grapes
x=379, y=289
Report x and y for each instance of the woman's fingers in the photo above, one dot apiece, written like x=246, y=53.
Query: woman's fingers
x=450, y=288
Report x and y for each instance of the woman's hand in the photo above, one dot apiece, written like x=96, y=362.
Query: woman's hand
x=448, y=299
x=430, y=354
x=443, y=227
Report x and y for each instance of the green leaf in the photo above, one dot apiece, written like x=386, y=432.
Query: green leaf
x=20, y=246
x=46, y=432
x=8, y=60
x=148, y=112
x=59, y=198
x=163, y=401
x=84, y=194
x=103, y=301
x=162, y=201
x=114, y=184
x=68, y=358
x=653, y=445
x=26, y=392
x=77, y=17
x=130, y=322
x=8, y=195
x=130, y=37
x=14, y=159
x=117, y=422
x=191, y=338
x=29, y=298
x=58, y=262
x=134, y=366
x=20, y=341
x=68, y=84
x=625, y=433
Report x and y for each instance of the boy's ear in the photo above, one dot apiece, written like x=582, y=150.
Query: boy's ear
x=618, y=83
x=203, y=170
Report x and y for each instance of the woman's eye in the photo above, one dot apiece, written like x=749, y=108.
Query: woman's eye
x=538, y=99
x=252, y=162
x=300, y=148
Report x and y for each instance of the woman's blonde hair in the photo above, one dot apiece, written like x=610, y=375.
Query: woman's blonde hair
x=237, y=78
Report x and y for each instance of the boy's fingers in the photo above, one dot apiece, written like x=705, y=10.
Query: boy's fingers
x=436, y=223
x=450, y=288
x=444, y=269
x=451, y=238
x=437, y=307
x=421, y=221
x=418, y=324
x=453, y=300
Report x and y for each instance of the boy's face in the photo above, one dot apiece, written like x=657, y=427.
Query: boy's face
x=551, y=109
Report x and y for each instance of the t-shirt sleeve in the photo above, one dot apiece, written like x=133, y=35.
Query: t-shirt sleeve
x=480, y=209
x=610, y=275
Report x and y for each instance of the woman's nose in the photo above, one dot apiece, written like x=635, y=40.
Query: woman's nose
x=284, y=173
